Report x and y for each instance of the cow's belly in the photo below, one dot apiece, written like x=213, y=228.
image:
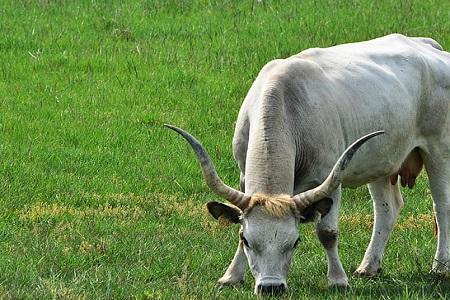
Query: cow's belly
x=407, y=170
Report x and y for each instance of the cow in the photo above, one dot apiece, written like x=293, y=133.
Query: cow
x=291, y=146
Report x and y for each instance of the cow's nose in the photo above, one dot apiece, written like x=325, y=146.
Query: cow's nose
x=271, y=289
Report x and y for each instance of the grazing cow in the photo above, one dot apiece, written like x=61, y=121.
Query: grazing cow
x=299, y=116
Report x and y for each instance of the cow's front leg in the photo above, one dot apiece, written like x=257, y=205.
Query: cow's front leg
x=235, y=273
x=327, y=232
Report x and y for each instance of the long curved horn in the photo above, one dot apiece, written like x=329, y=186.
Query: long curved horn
x=209, y=172
x=334, y=179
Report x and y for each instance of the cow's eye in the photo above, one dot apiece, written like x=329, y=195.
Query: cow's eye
x=244, y=240
x=296, y=243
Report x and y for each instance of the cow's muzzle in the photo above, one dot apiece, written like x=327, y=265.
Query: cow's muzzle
x=271, y=289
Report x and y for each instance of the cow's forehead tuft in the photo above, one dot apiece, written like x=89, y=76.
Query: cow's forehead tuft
x=274, y=205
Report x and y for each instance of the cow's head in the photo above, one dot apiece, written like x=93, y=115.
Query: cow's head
x=269, y=223
x=269, y=234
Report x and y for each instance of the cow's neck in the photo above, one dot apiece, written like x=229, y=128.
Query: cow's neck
x=270, y=162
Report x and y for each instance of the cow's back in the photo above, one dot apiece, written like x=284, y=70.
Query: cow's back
x=394, y=83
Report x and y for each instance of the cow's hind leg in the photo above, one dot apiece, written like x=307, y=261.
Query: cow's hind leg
x=387, y=203
x=439, y=177
x=327, y=231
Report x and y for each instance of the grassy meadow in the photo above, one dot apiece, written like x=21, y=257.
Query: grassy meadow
x=98, y=200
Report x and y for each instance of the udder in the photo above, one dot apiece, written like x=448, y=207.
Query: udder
x=409, y=170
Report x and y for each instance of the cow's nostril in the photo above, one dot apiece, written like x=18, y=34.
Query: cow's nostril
x=271, y=289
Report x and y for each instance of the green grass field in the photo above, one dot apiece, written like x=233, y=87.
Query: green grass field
x=97, y=200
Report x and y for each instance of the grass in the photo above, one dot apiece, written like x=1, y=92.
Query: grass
x=97, y=200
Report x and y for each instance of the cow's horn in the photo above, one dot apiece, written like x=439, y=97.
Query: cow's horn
x=334, y=179
x=209, y=172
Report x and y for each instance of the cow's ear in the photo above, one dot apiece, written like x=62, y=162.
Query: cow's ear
x=321, y=207
x=222, y=211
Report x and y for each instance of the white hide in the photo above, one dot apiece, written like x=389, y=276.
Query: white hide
x=302, y=112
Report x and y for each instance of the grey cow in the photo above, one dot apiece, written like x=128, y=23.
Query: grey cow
x=300, y=114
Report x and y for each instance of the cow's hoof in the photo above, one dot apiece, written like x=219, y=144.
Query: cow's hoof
x=440, y=272
x=228, y=282
x=367, y=272
x=440, y=275
x=440, y=268
x=338, y=283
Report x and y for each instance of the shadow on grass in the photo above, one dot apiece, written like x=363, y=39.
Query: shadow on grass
x=400, y=286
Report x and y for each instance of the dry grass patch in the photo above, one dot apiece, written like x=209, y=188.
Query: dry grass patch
x=58, y=290
x=4, y=293
x=165, y=205
x=126, y=198
x=358, y=220
x=40, y=211
x=124, y=207
x=412, y=221
x=159, y=204
x=419, y=221
x=100, y=247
